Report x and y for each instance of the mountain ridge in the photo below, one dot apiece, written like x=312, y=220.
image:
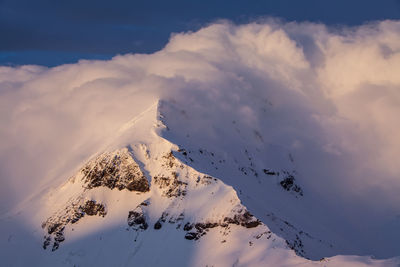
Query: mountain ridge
x=189, y=205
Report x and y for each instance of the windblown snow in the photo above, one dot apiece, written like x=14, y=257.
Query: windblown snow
x=266, y=144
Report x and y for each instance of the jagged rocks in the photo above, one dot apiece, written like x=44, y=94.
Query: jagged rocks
x=244, y=219
x=92, y=208
x=56, y=224
x=201, y=229
x=286, y=180
x=172, y=186
x=188, y=226
x=138, y=185
x=47, y=241
x=160, y=221
x=296, y=245
x=241, y=217
x=194, y=230
x=288, y=183
x=192, y=235
x=115, y=170
x=51, y=228
x=118, y=170
x=177, y=219
x=170, y=159
x=137, y=220
x=205, y=180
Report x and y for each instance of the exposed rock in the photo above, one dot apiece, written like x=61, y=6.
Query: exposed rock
x=119, y=170
x=47, y=241
x=112, y=170
x=206, y=180
x=192, y=235
x=196, y=230
x=170, y=159
x=297, y=246
x=204, y=226
x=92, y=208
x=56, y=224
x=137, y=219
x=295, y=238
x=244, y=219
x=288, y=183
x=157, y=225
x=269, y=172
x=188, y=226
x=115, y=170
x=172, y=185
x=56, y=245
x=53, y=227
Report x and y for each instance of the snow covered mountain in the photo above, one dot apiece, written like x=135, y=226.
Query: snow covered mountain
x=143, y=204
x=218, y=150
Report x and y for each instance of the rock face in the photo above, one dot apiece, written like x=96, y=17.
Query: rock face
x=192, y=230
x=115, y=170
x=241, y=217
x=174, y=183
x=112, y=170
x=56, y=224
x=92, y=208
x=137, y=219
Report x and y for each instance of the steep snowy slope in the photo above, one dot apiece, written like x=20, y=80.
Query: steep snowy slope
x=260, y=144
x=138, y=204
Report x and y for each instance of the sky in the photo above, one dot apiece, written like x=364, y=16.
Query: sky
x=51, y=33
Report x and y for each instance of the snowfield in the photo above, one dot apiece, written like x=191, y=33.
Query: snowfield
x=266, y=144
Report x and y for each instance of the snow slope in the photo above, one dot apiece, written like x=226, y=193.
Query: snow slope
x=231, y=146
x=184, y=218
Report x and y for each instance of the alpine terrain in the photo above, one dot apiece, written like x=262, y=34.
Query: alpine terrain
x=233, y=146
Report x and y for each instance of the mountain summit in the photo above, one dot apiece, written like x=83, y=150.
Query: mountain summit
x=233, y=146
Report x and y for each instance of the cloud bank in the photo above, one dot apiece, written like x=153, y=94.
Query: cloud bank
x=332, y=94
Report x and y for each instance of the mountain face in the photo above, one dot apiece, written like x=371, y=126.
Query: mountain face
x=245, y=145
x=144, y=202
x=180, y=203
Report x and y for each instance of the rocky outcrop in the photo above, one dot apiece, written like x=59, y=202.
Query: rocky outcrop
x=115, y=170
x=240, y=217
x=118, y=170
x=91, y=208
x=171, y=184
x=286, y=180
x=243, y=218
x=56, y=224
x=288, y=183
x=193, y=230
x=137, y=219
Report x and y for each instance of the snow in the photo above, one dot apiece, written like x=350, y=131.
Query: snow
x=203, y=118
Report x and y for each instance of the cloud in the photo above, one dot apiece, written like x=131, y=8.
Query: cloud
x=344, y=79
x=330, y=96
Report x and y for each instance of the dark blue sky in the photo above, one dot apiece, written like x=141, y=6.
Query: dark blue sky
x=52, y=32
